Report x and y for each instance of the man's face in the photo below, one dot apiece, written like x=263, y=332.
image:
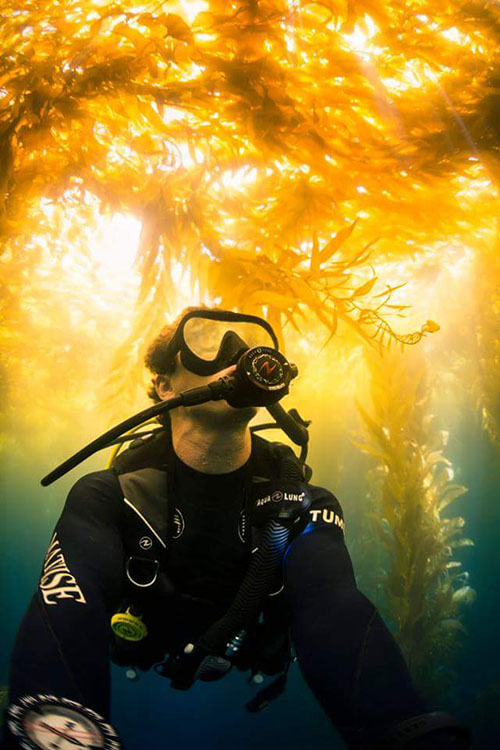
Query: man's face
x=213, y=412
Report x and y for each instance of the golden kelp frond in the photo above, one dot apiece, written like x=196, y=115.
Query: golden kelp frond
x=62, y=320
x=282, y=285
x=289, y=286
x=424, y=589
x=332, y=89
x=267, y=128
x=486, y=363
x=273, y=70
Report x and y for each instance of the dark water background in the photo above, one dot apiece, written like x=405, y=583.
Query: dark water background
x=149, y=714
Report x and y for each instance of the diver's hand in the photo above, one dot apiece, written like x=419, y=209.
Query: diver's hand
x=194, y=663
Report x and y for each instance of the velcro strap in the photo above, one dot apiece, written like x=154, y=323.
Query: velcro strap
x=278, y=498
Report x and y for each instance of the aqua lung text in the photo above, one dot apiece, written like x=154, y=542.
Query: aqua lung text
x=289, y=496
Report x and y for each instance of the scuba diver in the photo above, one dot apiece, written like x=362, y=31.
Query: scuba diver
x=205, y=547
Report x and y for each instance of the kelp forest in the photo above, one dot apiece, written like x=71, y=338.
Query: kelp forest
x=330, y=166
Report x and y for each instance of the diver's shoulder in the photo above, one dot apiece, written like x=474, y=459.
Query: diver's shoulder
x=96, y=497
x=322, y=497
x=104, y=481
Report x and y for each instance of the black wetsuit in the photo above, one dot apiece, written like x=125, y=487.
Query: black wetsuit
x=346, y=654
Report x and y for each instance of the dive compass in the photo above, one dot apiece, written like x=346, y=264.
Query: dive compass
x=45, y=722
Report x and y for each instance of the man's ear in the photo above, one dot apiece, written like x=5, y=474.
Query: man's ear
x=163, y=386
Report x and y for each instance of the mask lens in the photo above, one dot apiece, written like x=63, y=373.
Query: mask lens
x=204, y=336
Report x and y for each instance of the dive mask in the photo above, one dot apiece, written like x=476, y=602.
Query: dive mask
x=211, y=340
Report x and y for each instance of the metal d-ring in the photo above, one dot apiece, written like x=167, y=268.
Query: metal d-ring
x=142, y=559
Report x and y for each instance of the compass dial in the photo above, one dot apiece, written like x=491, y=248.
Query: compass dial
x=44, y=722
x=61, y=728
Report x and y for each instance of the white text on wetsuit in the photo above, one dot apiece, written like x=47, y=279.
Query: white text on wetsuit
x=328, y=516
x=57, y=582
x=277, y=497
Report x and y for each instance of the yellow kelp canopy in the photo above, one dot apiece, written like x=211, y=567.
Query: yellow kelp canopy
x=283, y=158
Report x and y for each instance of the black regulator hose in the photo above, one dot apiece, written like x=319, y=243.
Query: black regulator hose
x=207, y=659
x=261, y=378
x=256, y=585
x=258, y=579
x=186, y=398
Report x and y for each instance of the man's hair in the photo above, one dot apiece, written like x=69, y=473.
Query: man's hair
x=158, y=359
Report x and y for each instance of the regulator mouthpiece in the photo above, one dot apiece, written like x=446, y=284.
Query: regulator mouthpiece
x=262, y=378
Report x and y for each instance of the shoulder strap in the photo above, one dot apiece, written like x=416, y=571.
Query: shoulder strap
x=145, y=493
x=149, y=452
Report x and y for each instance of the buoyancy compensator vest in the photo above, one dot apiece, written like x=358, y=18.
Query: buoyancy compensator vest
x=253, y=631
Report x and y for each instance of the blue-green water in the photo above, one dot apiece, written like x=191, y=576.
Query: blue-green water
x=148, y=713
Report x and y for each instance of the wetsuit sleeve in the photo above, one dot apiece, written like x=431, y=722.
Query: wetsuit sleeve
x=63, y=641
x=345, y=651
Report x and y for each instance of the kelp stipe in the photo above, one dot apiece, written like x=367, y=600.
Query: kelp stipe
x=485, y=357
x=421, y=589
